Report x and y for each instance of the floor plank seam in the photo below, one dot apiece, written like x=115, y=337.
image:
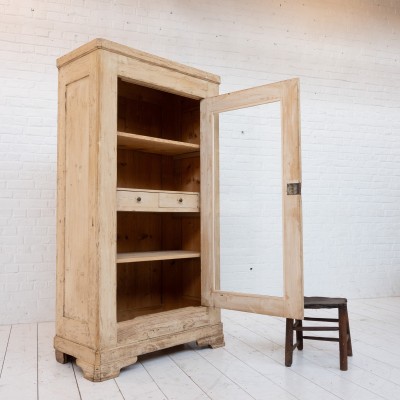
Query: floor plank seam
x=189, y=377
x=333, y=353
x=198, y=351
x=342, y=376
x=293, y=370
x=251, y=366
x=37, y=361
x=5, y=353
x=115, y=381
x=76, y=380
x=265, y=376
x=155, y=382
x=240, y=386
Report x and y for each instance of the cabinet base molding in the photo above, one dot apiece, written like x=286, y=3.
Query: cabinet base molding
x=100, y=365
x=61, y=357
x=213, y=341
x=102, y=372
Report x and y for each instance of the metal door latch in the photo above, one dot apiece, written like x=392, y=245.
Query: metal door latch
x=294, y=188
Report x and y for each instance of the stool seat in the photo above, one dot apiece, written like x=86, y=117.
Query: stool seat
x=344, y=339
x=323, y=302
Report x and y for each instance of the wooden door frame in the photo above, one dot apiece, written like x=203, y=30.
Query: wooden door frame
x=291, y=305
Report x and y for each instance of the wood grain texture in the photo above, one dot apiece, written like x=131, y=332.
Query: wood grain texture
x=77, y=168
x=156, y=255
x=157, y=201
x=77, y=212
x=165, y=323
x=136, y=54
x=269, y=305
x=172, y=81
x=292, y=209
x=208, y=205
x=154, y=145
x=106, y=211
x=291, y=304
x=129, y=128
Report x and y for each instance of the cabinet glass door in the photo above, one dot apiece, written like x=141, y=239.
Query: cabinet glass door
x=251, y=188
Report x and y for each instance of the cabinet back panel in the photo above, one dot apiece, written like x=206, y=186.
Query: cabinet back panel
x=191, y=233
x=138, y=232
x=190, y=120
x=139, y=289
x=191, y=282
x=151, y=287
x=150, y=112
x=138, y=170
x=188, y=174
x=142, y=231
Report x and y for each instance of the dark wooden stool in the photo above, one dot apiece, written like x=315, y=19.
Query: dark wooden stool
x=343, y=327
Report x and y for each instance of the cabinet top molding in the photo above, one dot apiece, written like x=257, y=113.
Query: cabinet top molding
x=136, y=54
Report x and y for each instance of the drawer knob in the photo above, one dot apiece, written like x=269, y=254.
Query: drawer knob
x=180, y=200
x=138, y=199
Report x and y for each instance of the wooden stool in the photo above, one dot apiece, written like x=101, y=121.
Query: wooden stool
x=344, y=339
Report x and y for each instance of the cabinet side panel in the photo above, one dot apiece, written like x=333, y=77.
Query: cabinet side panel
x=76, y=205
x=106, y=197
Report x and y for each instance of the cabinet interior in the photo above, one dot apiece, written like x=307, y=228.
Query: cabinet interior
x=171, y=240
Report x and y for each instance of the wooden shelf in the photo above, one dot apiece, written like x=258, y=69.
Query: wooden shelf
x=156, y=256
x=148, y=144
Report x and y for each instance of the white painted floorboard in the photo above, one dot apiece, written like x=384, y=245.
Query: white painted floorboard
x=250, y=366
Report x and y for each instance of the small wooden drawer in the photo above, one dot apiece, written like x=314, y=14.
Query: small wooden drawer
x=136, y=200
x=188, y=202
x=156, y=201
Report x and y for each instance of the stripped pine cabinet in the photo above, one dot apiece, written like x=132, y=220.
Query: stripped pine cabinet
x=138, y=207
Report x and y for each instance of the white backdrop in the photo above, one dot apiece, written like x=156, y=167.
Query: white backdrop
x=347, y=55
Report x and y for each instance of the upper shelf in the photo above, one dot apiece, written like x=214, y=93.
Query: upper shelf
x=148, y=144
x=156, y=256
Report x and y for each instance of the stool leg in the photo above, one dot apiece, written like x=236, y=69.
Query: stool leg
x=343, y=337
x=349, y=347
x=289, y=342
x=299, y=335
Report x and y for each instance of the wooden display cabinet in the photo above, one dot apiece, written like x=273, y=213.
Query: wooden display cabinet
x=137, y=207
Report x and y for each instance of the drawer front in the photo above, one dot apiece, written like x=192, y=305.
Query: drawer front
x=184, y=201
x=136, y=200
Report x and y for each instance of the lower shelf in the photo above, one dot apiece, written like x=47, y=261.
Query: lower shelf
x=156, y=256
x=164, y=323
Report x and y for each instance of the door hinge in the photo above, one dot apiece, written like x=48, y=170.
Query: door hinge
x=294, y=188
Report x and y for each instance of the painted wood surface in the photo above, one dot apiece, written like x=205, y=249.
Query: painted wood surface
x=19, y=370
x=250, y=366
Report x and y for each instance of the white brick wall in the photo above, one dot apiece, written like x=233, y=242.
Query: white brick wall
x=347, y=54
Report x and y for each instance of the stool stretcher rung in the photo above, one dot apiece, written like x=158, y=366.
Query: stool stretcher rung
x=321, y=319
x=326, y=339
x=315, y=328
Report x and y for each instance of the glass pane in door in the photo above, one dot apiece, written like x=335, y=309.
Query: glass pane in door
x=250, y=176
